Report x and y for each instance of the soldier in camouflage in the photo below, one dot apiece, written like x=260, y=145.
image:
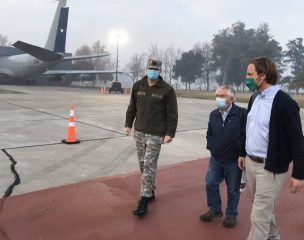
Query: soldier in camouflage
x=153, y=105
x=147, y=159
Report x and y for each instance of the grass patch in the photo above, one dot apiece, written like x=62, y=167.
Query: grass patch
x=240, y=96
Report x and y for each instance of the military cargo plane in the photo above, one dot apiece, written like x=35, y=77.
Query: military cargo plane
x=29, y=60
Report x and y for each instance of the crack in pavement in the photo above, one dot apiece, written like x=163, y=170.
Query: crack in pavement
x=59, y=143
x=10, y=188
x=89, y=140
x=17, y=180
x=54, y=115
x=18, y=105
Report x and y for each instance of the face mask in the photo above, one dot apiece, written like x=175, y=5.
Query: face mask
x=221, y=103
x=152, y=74
x=251, y=84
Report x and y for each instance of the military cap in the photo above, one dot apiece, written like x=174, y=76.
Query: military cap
x=153, y=63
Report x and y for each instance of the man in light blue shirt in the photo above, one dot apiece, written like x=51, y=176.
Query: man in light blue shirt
x=274, y=138
x=258, y=118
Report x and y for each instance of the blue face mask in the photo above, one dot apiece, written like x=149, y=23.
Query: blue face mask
x=152, y=74
x=221, y=103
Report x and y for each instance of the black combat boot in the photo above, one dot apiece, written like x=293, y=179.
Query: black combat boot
x=142, y=207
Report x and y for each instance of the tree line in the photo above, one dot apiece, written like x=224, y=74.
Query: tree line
x=224, y=60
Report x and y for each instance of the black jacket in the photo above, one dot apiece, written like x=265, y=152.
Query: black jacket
x=286, y=142
x=226, y=140
x=155, y=108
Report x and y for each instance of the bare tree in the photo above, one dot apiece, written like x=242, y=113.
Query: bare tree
x=101, y=63
x=166, y=65
x=205, y=49
x=83, y=64
x=137, y=66
x=83, y=50
x=171, y=54
x=155, y=52
x=4, y=41
x=168, y=57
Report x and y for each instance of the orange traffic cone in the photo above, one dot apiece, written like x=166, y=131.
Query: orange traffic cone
x=71, y=138
x=103, y=90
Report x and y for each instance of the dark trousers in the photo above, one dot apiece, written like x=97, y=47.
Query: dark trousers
x=217, y=172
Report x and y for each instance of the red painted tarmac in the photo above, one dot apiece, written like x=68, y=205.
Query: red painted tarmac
x=101, y=210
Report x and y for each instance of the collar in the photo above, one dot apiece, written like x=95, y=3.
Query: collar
x=159, y=83
x=228, y=110
x=270, y=92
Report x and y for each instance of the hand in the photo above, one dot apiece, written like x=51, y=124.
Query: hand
x=241, y=162
x=167, y=139
x=296, y=185
x=127, y=131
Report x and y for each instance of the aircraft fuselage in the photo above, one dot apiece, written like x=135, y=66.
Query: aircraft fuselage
x=23, y=66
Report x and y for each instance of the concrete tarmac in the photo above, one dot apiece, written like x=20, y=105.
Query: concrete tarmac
x=88, y=190
x=34, y=120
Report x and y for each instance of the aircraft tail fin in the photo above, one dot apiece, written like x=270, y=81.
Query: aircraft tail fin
x=38, y=52
x=57, y=35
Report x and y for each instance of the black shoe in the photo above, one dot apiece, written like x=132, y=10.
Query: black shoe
x=142, y=207
x=230, y=222
x=208, y=216
x=151, y=199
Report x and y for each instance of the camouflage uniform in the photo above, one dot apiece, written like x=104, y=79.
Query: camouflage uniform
x=154, y=109
x=148, y=149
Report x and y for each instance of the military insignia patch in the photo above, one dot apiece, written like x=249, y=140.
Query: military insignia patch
x=156, y=95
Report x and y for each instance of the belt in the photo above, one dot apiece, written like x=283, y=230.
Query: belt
x=257, y=159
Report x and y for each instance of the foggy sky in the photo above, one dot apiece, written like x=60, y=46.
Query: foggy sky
x=178, y=22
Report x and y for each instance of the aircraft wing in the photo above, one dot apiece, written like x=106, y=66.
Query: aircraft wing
x=86, y=56
x=52, y=72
